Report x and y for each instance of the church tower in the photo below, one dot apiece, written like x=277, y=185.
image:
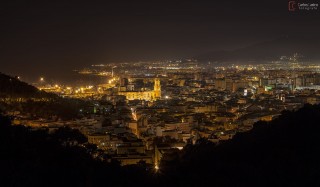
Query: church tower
x=157, y=89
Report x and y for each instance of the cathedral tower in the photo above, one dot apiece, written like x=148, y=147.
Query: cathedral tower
x=157, y=88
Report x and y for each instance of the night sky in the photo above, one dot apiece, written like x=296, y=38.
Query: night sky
x=47, y=37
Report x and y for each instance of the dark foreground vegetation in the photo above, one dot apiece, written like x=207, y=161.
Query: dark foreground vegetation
x=284, y=152
x=35, y=158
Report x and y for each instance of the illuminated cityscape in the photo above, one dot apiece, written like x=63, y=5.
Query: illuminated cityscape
x=170, y=93
x=181, y=102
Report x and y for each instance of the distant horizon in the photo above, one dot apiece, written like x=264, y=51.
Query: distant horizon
x=53, y=38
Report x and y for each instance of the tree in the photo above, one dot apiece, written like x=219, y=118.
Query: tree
x=67, y=135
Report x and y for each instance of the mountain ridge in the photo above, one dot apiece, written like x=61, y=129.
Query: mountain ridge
x=267, y=51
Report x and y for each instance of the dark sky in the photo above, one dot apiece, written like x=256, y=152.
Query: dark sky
x=46, y=37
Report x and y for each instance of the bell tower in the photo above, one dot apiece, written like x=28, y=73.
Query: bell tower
x=157, y=88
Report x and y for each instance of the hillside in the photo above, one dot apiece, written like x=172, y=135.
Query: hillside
x=18, y=96
x=284, y=152
x=14, y=88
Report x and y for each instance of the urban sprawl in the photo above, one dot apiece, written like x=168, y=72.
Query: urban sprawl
x=144, y=110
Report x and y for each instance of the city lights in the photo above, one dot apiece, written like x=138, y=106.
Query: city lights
x=160, y=93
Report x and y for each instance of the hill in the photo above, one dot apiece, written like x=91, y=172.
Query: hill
x=284, y=152
x=18, y=96
x=14, y=88
x=36, y=158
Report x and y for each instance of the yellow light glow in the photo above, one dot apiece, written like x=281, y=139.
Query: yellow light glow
x=156, y=167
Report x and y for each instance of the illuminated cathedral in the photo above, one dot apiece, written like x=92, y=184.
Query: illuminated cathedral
x=144, y=95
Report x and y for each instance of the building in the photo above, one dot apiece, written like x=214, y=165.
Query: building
x=144, y=95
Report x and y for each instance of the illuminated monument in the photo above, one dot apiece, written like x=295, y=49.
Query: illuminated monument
x=144, y=95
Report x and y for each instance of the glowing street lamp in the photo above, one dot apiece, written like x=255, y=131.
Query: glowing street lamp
x=156, y=167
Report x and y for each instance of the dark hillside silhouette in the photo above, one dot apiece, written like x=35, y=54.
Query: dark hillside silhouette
x=284, y=152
